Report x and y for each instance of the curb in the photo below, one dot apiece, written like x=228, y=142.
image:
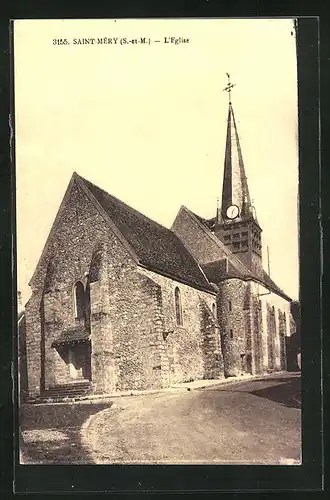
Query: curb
x=99, y=398
x=83, y=436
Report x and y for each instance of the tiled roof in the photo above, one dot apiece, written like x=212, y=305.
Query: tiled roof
x=265, y=278
x=71, y=335
x=215, y=271
x=158, y=248
x=220, y=270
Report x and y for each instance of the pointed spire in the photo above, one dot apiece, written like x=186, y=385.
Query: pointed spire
x=235, y=189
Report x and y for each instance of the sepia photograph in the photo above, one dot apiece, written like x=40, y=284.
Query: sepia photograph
x=157, y=219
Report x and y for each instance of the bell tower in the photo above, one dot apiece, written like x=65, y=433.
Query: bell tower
x=236, y=223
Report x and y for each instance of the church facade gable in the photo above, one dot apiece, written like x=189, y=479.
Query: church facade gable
x=79, y=235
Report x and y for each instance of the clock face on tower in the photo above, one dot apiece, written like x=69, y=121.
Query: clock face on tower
x=232, y=212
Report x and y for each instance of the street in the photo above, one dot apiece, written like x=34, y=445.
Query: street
x=250, y=422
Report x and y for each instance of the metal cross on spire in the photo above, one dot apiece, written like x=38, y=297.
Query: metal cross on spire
x=229, y=87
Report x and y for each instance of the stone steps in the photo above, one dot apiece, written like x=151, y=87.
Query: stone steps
x=66, y=391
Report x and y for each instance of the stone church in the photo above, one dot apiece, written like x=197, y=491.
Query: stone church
x=120, y=302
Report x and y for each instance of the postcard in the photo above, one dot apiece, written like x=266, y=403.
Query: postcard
x=157, y=241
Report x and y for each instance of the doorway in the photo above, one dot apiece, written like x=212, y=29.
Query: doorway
x=80, y=361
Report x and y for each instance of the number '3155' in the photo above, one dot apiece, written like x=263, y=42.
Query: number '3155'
x=60, y=41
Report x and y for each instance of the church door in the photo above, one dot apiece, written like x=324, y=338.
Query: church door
x=80, y=361
x=74, y=373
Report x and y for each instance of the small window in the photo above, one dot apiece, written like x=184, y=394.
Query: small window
x=214, y=310
x=273, y=310
x=244, y=234
x=236, y=245
x=79, y=292
x=178, y=307
x=229, y=305
x=231, y=334
x=236, y=235
x=227, y=237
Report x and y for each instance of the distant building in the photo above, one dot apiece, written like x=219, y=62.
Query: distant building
x=119, y=302
x=293, y=346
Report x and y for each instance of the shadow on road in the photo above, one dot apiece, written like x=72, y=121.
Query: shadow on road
x=282, y=390
x=287, y=393
x=52, y=432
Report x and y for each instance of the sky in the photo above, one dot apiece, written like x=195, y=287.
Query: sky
x=147, y=123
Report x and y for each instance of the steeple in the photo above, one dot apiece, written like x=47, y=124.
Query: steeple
x=235, y=191
x=236, y=224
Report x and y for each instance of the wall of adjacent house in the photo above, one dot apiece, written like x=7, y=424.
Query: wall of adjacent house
x=33, y=342
x=22, y=366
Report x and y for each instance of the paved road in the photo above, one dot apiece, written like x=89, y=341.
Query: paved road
x=248, y=422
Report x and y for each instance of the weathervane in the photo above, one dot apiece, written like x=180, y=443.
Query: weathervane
x=229, y=87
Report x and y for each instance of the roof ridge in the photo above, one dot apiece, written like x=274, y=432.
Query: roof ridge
x=212, y=262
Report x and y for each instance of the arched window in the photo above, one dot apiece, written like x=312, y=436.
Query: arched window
x=178, y=307
x=79, y=293
x=231, y=334
x=214, y=310
x=229, y=305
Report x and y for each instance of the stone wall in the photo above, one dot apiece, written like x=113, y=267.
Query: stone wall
x=191, y=350
x=77, y=234
x=235, y=326
x=253, y=327
x=275, y=328
x=196, y=240
x=282, y=326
